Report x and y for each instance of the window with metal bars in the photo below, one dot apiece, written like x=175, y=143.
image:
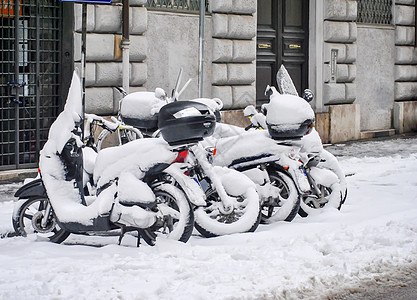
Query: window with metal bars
x=176, y=5
x=375, y=12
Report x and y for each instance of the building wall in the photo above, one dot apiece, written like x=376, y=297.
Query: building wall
x=340, y=34
x=375, y=76
x=373, y=81
x=173, y=43
x=104, y=56
x=405, y=106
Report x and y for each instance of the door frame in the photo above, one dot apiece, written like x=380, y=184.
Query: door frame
x=307, y=12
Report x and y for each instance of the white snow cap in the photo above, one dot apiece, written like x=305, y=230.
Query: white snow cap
x=61, y=130
x=287, y=109
x=141, y=105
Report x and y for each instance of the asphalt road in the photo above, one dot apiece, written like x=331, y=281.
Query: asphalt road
x=400, y=284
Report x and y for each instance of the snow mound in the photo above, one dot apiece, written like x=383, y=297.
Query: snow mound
x=288, y=109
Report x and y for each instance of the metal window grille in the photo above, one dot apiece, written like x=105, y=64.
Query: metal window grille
x=375, y=12
x=176, y=5
x=30, y=51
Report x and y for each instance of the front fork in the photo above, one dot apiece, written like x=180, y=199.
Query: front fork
x=46, y=213
x=314, y=188
x=201, y=156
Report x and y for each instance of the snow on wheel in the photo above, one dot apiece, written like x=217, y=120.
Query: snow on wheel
x=331, y=194
x=244, y=215
x=285, y=205
x=27, y=220
x=178, y=220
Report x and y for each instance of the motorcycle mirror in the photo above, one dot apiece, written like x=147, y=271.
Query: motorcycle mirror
x=308, y=95
x=268, y=91
x=160, y=93
x=249, y=111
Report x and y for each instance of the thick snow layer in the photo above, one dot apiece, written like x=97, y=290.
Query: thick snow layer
x=288, y=109
x=141, y=105
x=135, y=157
x=373, y=235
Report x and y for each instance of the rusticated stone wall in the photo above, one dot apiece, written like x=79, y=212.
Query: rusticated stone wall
x=406, y=51
x=340, y=33
x=104, y=56
x=234, y=52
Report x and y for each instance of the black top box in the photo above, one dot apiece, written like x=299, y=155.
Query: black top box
x=185, y=122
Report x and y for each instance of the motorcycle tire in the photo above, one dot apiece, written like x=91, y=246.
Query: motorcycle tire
x=312, y=205
x=181, y=227
x=27, y=217
x=286, y=208
x=211, y=222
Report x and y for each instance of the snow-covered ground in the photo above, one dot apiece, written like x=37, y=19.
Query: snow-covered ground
x=374, y=234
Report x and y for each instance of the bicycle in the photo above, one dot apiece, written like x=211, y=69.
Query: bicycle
x=125, y=133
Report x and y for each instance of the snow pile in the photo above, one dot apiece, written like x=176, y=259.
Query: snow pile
x=141, y=105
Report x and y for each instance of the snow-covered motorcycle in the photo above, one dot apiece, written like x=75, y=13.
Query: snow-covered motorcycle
x=286, y=159
x=127, y=195
x=290, y=121
x=232, y=203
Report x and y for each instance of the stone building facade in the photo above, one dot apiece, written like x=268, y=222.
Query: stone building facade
x=364, y=75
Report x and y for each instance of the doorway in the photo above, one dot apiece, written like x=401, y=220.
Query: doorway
x=282, y=38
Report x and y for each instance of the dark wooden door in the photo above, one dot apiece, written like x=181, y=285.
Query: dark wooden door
x=282, y=39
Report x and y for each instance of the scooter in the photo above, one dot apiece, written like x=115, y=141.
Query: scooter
x=128, y=193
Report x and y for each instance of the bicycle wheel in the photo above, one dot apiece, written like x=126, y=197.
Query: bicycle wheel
x=122, y=136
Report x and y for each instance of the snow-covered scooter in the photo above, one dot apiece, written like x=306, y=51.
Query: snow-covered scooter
x=287, y=161
x=127, y=193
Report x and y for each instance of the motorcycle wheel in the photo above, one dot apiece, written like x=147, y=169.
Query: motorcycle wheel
x=211, y=222
x=27, y=217
x=285, y=209
x=179, y=227
x=312, y=205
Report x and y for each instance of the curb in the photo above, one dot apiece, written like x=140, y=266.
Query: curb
x=17, y=175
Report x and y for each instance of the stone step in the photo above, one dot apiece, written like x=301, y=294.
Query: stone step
x=377, y=133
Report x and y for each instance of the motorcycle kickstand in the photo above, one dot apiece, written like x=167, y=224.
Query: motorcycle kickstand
x=122, y=233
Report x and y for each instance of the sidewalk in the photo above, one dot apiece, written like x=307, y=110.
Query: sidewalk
x=17, y=175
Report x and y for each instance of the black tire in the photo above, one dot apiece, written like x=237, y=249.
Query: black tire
x=26, y=220
x=210, y=222
x=182, y=227
x=285, y=209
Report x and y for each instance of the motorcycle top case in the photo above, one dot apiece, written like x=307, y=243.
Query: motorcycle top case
x=140, y=109
x=290, y=131
x=184, y=122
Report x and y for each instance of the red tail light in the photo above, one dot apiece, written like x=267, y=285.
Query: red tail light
x=182, y=156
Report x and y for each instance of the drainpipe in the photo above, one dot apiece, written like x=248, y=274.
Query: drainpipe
x=201, y=49
x=125, y=45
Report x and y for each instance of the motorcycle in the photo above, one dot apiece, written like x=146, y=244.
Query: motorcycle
x=284, y=157
x=126, y=197
x=288, y=121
